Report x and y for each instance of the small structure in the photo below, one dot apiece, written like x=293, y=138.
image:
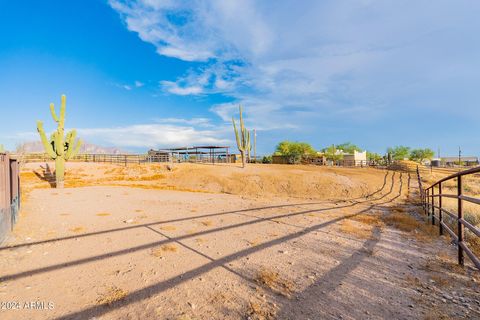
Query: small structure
x=203, y=154
x=158, y=156
x=357, y=159
x=462, y=161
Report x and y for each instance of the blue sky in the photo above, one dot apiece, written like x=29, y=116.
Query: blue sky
x=153, y=73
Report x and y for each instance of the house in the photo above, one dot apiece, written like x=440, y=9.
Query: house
x=357, y=159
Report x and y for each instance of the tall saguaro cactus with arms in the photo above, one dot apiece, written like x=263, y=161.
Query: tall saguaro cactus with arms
x=60, y=147
x=242, y=137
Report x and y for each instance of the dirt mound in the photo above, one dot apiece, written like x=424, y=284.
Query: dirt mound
x=306, y=182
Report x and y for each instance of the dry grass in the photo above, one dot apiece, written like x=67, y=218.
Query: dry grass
x=77, y=229
x=113, y=295
x=272, y=280
x=260, y=310
x=159, y=252
x=401, y=219
x=362, y=226
x=103, y=214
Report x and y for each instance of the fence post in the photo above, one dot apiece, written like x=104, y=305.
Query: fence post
x=427, y=204
x=460, y=228
x=440, y=215
x=433, y=205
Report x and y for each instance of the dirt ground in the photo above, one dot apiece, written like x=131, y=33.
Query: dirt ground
x=219, y=242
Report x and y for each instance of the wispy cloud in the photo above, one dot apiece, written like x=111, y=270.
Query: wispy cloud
x=160, y=133
x=298, y=63
x=176, y=88
x=153, y=135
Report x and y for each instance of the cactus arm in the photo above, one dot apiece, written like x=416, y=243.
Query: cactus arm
x=69, y=144
x=46, y=144
x=239, y=144
x=54, y=114
x=62, y=111
x=76, y=150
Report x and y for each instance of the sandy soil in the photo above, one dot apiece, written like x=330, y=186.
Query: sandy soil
x=252, y=252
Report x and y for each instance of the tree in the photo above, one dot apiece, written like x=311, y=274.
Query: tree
x=295, y=150
x=375, y=157
x=399, y=152
x=421, y=154
x=332, y=154
x=348, y=147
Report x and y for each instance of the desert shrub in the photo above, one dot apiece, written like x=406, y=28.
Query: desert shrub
x=267, y=159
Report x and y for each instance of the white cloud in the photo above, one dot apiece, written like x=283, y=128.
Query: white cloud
x=162, y=133
x=292, y=62
x=175, y=88
x=155, y=135
x=139, y=84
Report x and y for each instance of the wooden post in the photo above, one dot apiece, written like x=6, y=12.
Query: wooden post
x=460, y=228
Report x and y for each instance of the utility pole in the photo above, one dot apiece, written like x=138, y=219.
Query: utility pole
x=255, y=144
x=459, y=156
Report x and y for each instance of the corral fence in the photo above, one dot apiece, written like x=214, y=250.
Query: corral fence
x=103, y=158
x=451, y=222
x=125, y=159
x=9, y=194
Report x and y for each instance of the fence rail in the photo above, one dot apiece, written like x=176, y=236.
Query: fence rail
x=9, y=194
x=126, y=159
x=104, y=158
x=436, y=212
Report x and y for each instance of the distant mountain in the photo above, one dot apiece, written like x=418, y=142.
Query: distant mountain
x=37, y=146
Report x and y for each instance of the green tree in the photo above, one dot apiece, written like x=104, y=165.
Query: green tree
x=421, y=154
x=348, y=147
x=372, y=156
x=294, y=150
x=331, y=153
x=399, y=152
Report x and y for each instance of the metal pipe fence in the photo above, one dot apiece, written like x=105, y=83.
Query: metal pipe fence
x=124, y=159
x=9, y=194
x=437, y=212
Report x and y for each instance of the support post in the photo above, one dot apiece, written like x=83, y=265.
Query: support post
x=433, y=205
x=460, y=229
x=440, y=213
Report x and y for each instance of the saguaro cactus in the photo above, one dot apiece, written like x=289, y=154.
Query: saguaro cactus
x=242, y=137
x=60, y=148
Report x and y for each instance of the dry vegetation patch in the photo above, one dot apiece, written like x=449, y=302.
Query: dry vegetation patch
x=159, y=252
x=362, y=226
x=113, y=295
x=272, y=280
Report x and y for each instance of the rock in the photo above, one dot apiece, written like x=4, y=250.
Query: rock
x=411, y=306
x=192, y=305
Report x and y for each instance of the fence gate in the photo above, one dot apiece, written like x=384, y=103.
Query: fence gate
x=9, y=194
